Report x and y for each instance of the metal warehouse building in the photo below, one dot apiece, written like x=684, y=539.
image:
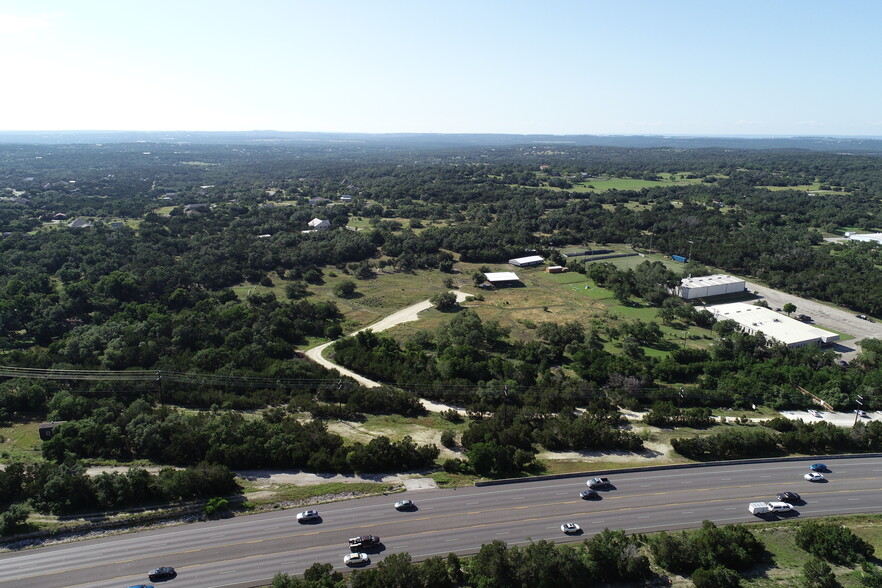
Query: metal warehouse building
x=773, y=325
x=527, y=261
x=714, y=285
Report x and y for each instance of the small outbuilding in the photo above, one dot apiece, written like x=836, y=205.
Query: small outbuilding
x=47, y=430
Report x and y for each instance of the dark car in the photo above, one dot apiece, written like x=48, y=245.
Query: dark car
x=791, y=497
x=160, y=574
x=818, y=467
x=588, y=494
x=363, y=541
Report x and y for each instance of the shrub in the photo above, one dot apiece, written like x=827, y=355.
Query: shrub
x=716, y=577
x=215, y=505
x=832, y=542
x=448, y=438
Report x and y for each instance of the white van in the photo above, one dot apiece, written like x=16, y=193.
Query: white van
x=759, y=508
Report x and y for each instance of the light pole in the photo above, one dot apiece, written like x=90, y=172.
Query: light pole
x=650, y=242
x=690, y=252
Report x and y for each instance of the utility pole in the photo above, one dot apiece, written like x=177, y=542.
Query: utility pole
x=690, y=252
x=860, y=402
x=650, y=241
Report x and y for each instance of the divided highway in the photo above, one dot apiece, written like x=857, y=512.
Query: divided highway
x=249, y=550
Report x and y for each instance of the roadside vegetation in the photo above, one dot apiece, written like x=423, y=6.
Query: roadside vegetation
x=829, y=553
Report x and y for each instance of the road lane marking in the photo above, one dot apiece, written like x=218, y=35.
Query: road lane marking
x=502, y=509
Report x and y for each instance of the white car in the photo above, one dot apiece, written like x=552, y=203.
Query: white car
x=356, y=559
x=814, y=477
x=815, y=414
x=307, y=515
x=570, y=528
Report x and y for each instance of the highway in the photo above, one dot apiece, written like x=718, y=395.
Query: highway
x=249, y=550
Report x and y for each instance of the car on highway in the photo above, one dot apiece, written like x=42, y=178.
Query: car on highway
x=814, y=477
x=815, y=414
x=861, y=413
x=588, y=494
x=570, y=528
x=599, y=483
x=162, y=574
x=818, y=467
x=363, y=541
x=404, y=505
x=141, y=586
x=791, y=497
x=307, y=515
x=863, y=317
x=356, y=559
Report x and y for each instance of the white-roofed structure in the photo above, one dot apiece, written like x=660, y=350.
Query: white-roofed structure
x=875, y=237
x=773, y=325
x=527, y=261
x=500, y=278
x=715, y=285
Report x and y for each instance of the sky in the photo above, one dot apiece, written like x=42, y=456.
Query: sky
x=625, y=67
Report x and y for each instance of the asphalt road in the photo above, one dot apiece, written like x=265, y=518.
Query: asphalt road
x=249, y=550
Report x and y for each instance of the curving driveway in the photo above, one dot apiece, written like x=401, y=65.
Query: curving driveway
x=405, y=315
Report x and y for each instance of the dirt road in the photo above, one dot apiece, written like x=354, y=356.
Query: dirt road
x=405, y=315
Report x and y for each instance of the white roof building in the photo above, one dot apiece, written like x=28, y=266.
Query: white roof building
x=527, y=261
x=877, y=237
x=318, y=224
x=494, y=277
x=714, y=285
x=773, y=325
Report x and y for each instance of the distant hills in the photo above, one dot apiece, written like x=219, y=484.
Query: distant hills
x=863, y=145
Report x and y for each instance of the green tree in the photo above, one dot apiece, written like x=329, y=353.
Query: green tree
x=444, y=301
x=817, y=574
x=789, y=308
x=345, y=289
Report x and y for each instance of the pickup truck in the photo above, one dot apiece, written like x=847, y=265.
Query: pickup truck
x=363, y=541
x=599, y=483
x=761, y=508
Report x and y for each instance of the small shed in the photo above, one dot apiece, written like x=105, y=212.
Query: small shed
x=47, y=430
x=555, y=269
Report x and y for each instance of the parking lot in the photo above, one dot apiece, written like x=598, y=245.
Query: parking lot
x=841, y=419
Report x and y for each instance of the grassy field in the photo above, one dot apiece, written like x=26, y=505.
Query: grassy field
x=787, y=560
x=261, y=493
x=602, y=184
x=20, y=441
